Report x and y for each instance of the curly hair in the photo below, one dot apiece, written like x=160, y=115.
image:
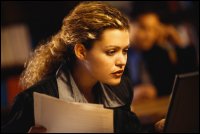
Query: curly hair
x=84, y=24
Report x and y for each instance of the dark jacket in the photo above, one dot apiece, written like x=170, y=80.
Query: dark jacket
x=21, y=117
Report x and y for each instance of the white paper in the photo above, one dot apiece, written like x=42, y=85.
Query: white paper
x=70, y=117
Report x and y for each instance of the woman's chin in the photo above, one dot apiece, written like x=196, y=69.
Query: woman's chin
x=114, y=82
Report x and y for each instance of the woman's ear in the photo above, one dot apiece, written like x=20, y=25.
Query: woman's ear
x=80, y=51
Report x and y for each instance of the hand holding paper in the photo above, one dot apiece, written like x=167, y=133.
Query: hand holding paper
x=60, y=116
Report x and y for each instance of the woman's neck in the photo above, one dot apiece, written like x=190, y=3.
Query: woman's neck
x=84, y=81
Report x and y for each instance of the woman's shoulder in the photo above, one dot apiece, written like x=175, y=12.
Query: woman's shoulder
x=46, y=86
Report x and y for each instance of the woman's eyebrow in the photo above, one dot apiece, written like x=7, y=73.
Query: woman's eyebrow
x=116, y=46
x=128, y=46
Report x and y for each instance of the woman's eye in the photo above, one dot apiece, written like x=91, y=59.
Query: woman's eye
x=125, y=51
x=111, y=52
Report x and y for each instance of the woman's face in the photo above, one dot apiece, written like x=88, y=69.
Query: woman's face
x=107, y=59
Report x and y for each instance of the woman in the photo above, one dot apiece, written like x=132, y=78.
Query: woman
x=83, y=62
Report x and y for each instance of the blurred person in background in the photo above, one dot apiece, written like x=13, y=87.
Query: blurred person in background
x=156, y=55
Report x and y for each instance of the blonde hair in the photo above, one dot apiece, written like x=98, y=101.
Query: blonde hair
x=83, y=25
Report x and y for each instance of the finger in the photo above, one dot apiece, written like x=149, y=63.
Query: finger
x=37, y=129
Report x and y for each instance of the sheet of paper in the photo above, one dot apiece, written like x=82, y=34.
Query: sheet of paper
x=60, y=116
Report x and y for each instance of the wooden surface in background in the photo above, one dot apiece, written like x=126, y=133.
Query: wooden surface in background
x=151, y=111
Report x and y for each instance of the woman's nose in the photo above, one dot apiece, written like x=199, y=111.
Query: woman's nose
x=121, y=60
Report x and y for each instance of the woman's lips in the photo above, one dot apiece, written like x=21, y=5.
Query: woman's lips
x=118, y=74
